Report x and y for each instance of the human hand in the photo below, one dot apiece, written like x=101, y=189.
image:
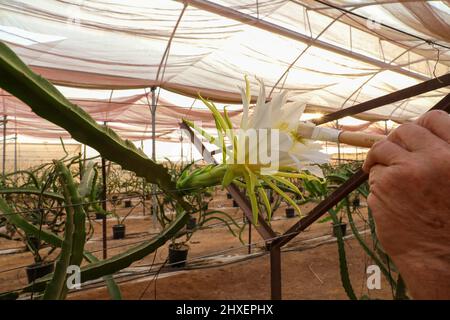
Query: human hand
x=410, y=200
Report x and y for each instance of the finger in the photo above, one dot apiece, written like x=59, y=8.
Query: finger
x=413, y=137
x=376, y=173
x=438, y=122
x=384, y=152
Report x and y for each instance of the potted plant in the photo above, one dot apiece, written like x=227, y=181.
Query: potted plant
x=99, y=216
x=336, y=216
x=114, y=200
x=178, y=252
x=191, y=224
x=119, y=228
x=356, y=202
x=118, y=231
x=290, y=212
x=340, y=225
x=128, y=203
x=40, y=267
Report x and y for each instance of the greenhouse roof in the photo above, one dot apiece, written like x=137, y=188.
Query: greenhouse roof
x=328, y=54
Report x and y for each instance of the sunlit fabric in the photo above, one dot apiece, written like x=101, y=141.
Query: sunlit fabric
x=329, y=58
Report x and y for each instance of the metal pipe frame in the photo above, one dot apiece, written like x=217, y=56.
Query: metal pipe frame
x=5, y=121
x=236, y=15
x=104, y=195
x=409, y=92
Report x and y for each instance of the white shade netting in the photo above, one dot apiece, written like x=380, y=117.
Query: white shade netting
x=328, y=58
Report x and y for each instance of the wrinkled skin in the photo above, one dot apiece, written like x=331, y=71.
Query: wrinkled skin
x=410, y=199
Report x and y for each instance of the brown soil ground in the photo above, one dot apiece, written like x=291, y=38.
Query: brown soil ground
x=307, y=273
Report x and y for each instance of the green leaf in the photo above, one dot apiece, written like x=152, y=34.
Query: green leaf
x=228, y=177
x=113, y=288
x=47, y=102
x=87, y=181
x=74, y=236
x=32, y=191
x=281, y=193
x=345, y=277
x=21, y=223
x=221, y=123
x=9, y=296
x=206, y=135
x=29, y=173
x=287, y=183
x=265, y=199
x=369, y=252
x=114, y=264
x=250, y=180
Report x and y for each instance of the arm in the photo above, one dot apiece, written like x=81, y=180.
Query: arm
x=410, y=200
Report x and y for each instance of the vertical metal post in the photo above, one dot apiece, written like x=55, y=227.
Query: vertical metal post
x=104, y=194
x=275, y=272
x=143, y=185
x=4, y=145
x=181, y=147
x=153, y=111
x=15, y=152
x=84, y=155
x=249, y=237
x=338, y=145
x=80, y=165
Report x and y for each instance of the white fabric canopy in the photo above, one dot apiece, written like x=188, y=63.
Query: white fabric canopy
x=330, y=58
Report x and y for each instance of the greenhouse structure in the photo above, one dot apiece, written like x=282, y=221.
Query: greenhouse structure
x=224, y=150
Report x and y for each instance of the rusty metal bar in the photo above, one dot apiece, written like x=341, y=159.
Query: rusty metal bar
x=444, y=104
x=396, y=96
x=340, y=193
x=275, y=273
x=249, y=238
x=262, y=227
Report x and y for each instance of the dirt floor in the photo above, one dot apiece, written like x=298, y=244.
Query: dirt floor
x=310, y=268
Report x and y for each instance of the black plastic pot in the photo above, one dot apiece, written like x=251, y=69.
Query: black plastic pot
x=118, y=231
x=128, y=204
x=235, y=204
x=99, y=216
x=38, y=270
x=178, y=255
x=33, y=242
x=356, y=202
x=290, y=212
x=114, y=200
x=342, y=226
x=191, y=224
x=229, y=196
